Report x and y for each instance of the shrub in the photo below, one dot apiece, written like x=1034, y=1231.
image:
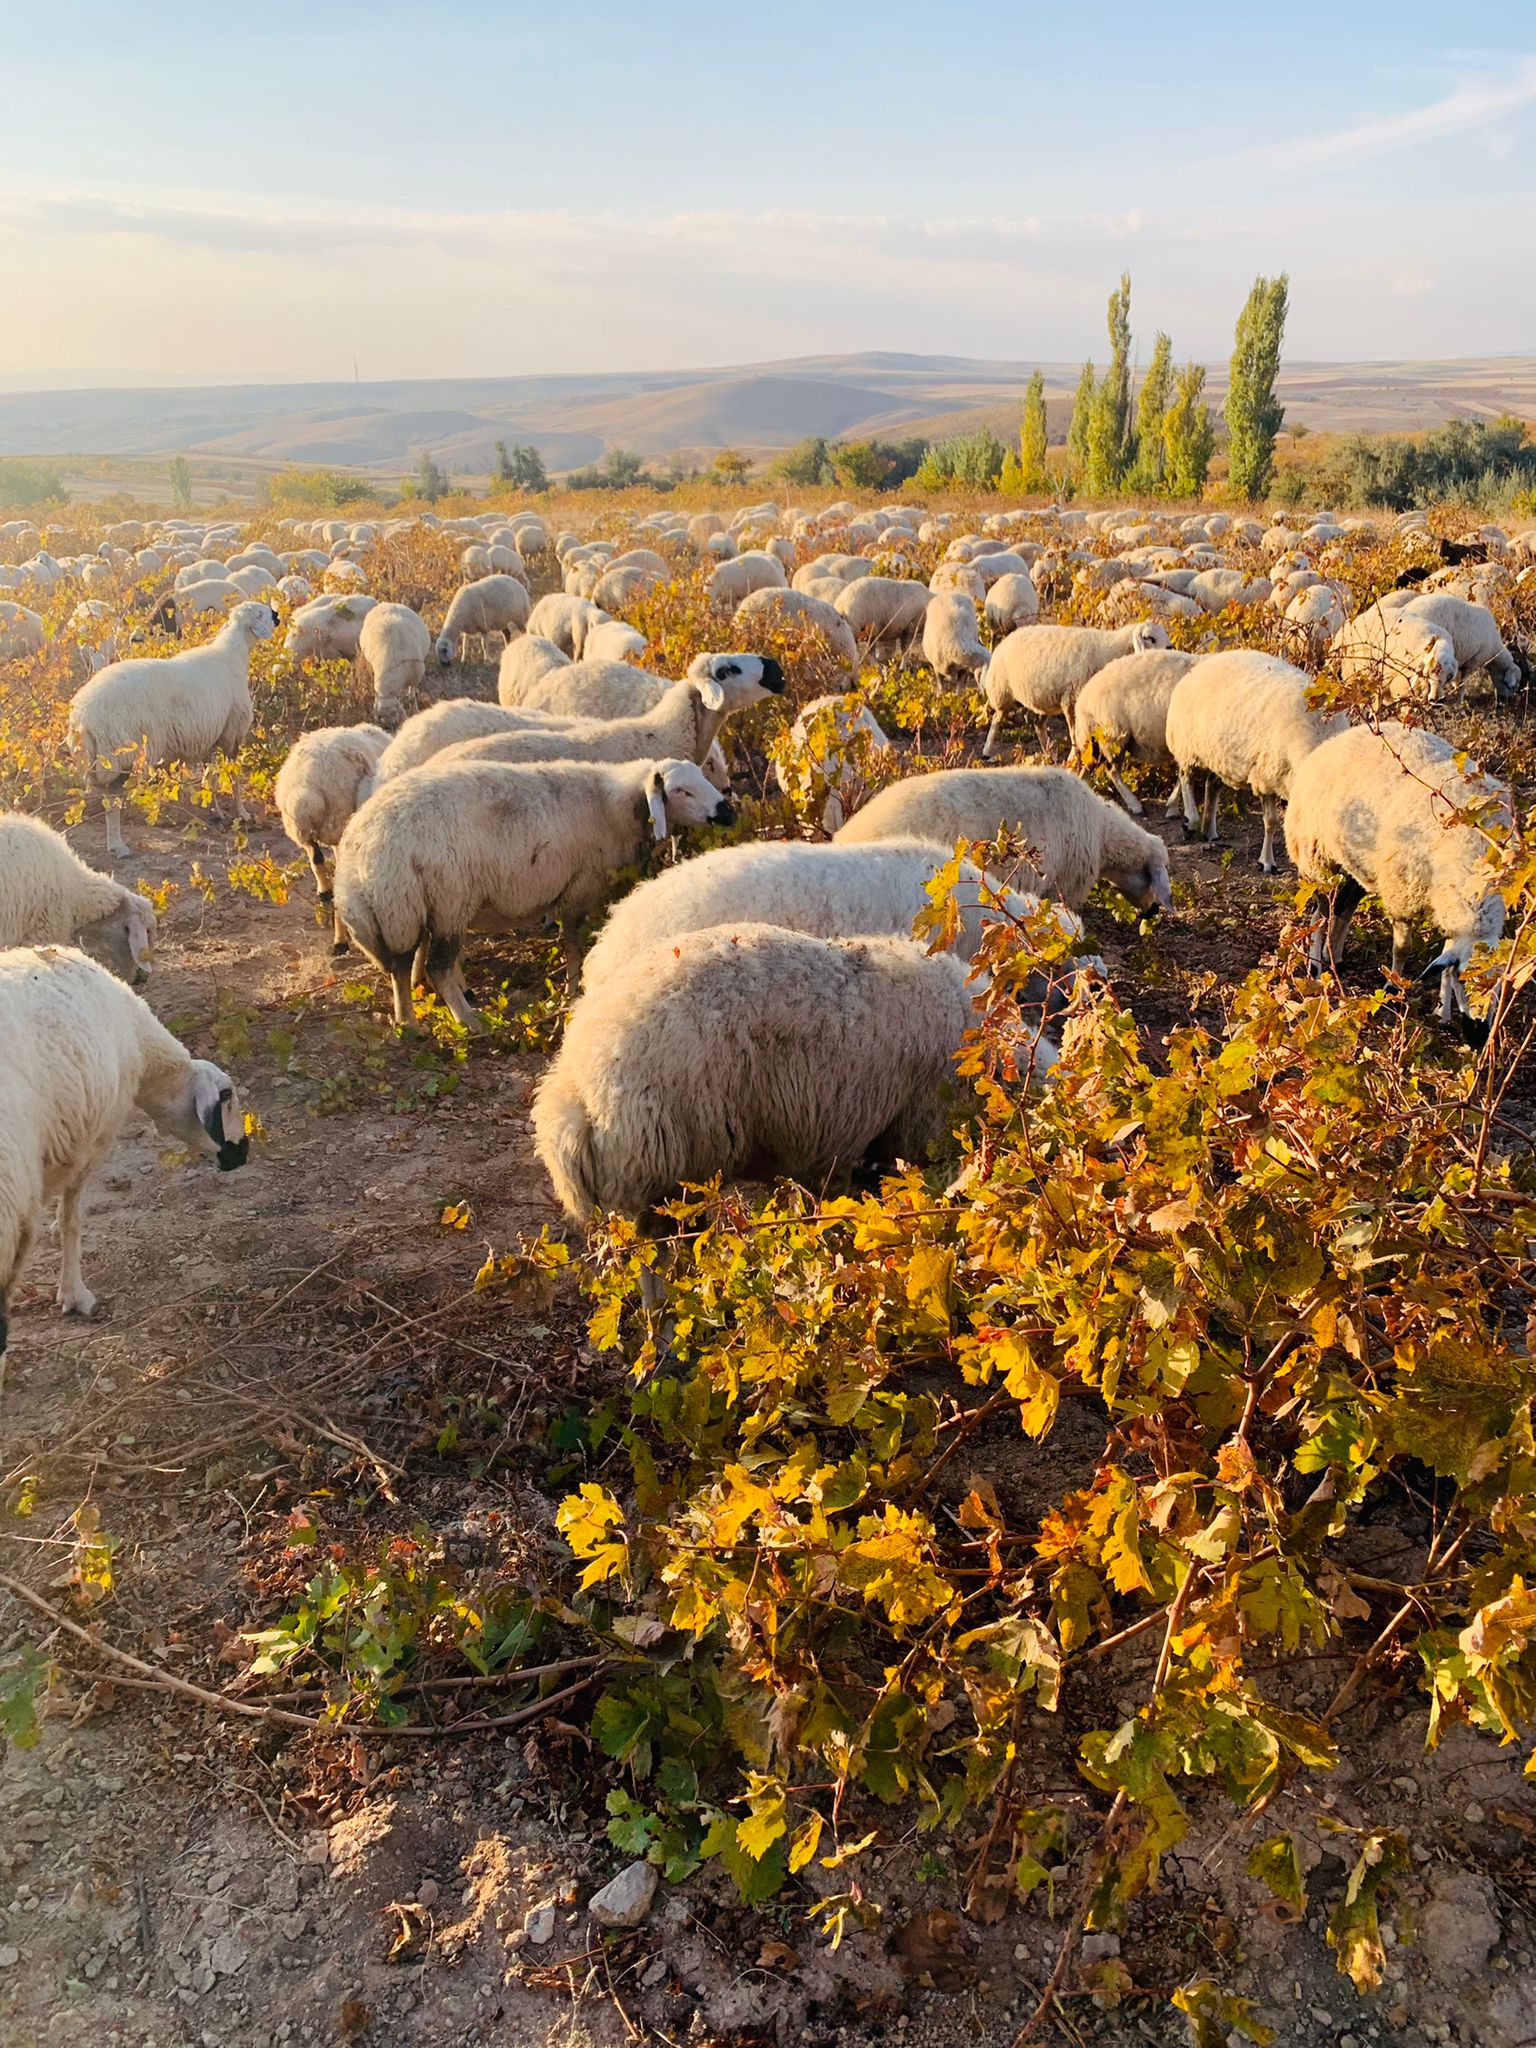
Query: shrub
x=31, y=483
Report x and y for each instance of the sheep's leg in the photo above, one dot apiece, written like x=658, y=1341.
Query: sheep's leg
x=1186, y=793
x=447, y=979
x=319, y=867
x=75, y=1298
x=112, y=813
x=1400, y=935
x=1451, y=997
x=340, y=942
x=832, y=814
x=1212, y=811
x=1271, y=807
x=405, y=1004
x=419, y=967
x=990, y=742
x=1346, y=900
x=1046, y=737
x=1175, y=799
x=1126, y=794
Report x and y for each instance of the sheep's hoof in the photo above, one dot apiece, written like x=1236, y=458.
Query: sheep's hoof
x=338, y=948
x=81, y=1303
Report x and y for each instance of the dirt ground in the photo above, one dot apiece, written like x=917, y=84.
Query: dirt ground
x=305, y=1332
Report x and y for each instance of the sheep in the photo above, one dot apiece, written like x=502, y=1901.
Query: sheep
x=833, y=891
x=92, y=627
x=613, y=640
x=525, y=662
x=734, y=580
x=21, y=631
x=327, y=628
x=392, y=652
x=883, y=610
x=48, y=896
x=1313, y=615
x=318, y=787
x=1074, y=835
x=799, y=607
x=188, y=707
x=681, y=725
x=495, y=604
x=1215, y=589
x=1040, y=669
x=1011, y=601
x=452, y=845
x=812, y=747
x=952, y=644
x=565, y=620
x=81, y=1052
x=596, y=689
x=623, y=584
x=1396, y=650
x=962, y=577
x=1380, y=808
x=749, y=1049
x=1244, y=718
x=1472, y=630
x=1125, y=706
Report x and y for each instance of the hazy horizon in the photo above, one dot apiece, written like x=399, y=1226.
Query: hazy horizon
x=477, y=196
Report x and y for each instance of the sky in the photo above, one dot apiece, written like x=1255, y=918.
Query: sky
x=457, y=189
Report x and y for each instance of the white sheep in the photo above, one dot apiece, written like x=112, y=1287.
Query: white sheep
x=451, y=846
x=318, y=787
x=1073, y=835
x=1011, y=601
x=21, y=631
x=952, y=643
x=1124, y=709
x=595, y=689
x=833, y=891
x=803, y=608
x=734, y=580
x=495, y=604
x=565, y=620
x=49, y=897
x=525, y=662
x=682, y=724
x=1385, y=809
x=1040, y=669
x=613, y=640
x=1472, y=630
x=750, y=1049
x=884, y=611
x=81, y=1052
x=1244, y=718
x=825, y=741
x=327, y=628
x=188, y=708
x=1214, y=589
x=1396, y=651
x=392, y=652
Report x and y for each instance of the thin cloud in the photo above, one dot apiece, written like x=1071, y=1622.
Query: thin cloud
x=1469, y=107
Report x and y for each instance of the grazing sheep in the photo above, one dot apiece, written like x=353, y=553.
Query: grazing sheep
x=1011, y=601
x=188, y=707
x=613, y=640
x=392, y=652
x=952, y=644
x=1472, y=630
x=525, y=662
x=1381, y=810
x=1314, y=614
x=1244, y=718
x=318, y=788
x=494, y=604
x=1040, y=669
x=813, y=748
x=962, y=577
x=1124, y=708
x=327, y=628
x=1074, y=835
x=453, y=846
x=832, y=891
x=737, y=579
x=1214, y=589
x=750, y=1050
x=1396, y=651
x=623, y=583
x=49, y=897
x=799, y=607
x=681, y=725
x=565, y=620
x=21, y=632
x=596, y=689
x=81, y=1051
x=884, y=611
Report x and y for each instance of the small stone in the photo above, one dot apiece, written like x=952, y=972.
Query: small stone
x=654, y=1972
x=1474, y=1815
x=283, y=1888
x=539, y=1925
x=228, y=1954
x=201, y=1980
x=427, y=1892
x=9, y=1957
x=294, y=1926
x=627, y=1899
x=1097, y=1948
x=1348, y=2041
x=1020, y=1952
x=1322, y=2015
x=518, y=1938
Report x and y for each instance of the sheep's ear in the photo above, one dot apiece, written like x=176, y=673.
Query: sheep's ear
x=656, y=803
x=710, y=693
x=218, y=1112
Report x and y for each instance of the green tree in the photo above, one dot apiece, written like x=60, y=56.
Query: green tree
x=861, y=465
x=1033, y=472
x=31, y=483
x=808, y=462
x=971, y=461
x=1082, y=414
x=731, y=466
x=522, y=467
x=179, y=470
x=622, y=467
x=425, y=481
x=1254, y=417
x=1109, y=422
x=1151, y=410
x=1189, y=437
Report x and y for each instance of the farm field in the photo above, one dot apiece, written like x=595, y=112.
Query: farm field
x=1013, y=1579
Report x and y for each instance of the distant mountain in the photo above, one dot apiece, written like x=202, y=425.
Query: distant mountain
x=382, y=428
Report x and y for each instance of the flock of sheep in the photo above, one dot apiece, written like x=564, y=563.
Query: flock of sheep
x=761, y=1008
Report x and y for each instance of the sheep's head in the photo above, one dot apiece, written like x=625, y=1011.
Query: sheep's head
x=679, y=793
x=1144, y=881
x=728, y=682
x=1149, y=634
x=203, y=1111
x=257, y=621
x=124, y=939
